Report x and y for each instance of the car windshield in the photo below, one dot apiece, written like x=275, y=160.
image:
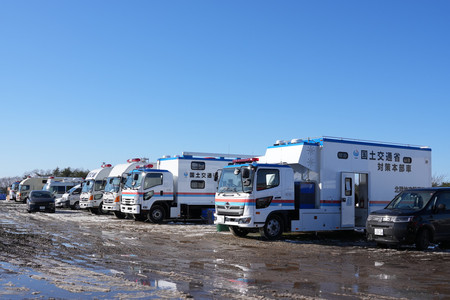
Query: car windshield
x=411, y=200
x=88, y=186
x=231, y=180
x=134, y=181
x=73, y=189
x=39, y=194
x=112, y=184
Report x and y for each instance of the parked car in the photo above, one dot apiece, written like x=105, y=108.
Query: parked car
x=418, y=216
x=41, y=201
x=70, y=199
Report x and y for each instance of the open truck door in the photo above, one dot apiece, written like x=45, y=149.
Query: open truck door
x=347, y=200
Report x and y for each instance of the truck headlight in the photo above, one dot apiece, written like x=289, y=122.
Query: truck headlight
x=244, y=221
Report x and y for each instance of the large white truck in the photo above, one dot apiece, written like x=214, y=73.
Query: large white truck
x=60, y=185
x=29, y=184
x=321, y=184
x=181, y=187
x=91, y=197
x=112, y=194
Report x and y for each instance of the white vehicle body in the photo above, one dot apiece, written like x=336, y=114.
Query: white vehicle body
x=92, y=188
x=13, y=190
x=182, y=187
x=112, y=194
x=70, y=199
x=60, y=185
x=322, y=184
x=29, y=184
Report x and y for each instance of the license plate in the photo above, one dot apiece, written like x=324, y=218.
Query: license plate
x=378, y=231
x=42, y=207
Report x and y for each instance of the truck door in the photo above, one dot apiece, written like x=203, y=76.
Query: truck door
x=347, y=200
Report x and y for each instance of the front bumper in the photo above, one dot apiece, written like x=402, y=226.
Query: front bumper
x=111, y=206
x=85, y=204
x=130, y=209
x=241, y=221
x=47, y=207
x=390, y=233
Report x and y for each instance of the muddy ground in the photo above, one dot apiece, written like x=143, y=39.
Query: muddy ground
x=74, y=254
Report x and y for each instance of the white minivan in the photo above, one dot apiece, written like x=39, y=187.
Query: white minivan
x=70, y=199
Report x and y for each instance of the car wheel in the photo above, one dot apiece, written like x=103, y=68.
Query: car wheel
x=423, y=239
x=273, y=229
x=238, y=231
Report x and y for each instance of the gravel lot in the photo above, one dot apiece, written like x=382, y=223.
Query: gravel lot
x=74, y=254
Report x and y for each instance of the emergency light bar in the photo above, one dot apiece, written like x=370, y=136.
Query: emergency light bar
x=245, y=160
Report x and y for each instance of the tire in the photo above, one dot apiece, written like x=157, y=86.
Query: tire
x=273, y=229
x=156, y=214
x=119, y=214
x=75, y=206
x=423, y=239
x=139, y=217
x=101, y=211
x=238, y=231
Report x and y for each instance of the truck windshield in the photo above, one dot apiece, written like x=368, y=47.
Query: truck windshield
x=88, y=186
x=23, y=188
x=112, y=184
x=15, y=187
x=231, y=181
x=413, y=200
x=134, y=181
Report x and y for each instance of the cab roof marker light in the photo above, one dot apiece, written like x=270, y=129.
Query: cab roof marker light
x=245, y=160
x=106, y=166
x=132, y=160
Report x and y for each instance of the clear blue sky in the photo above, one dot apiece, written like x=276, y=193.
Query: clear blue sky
x=86, y=82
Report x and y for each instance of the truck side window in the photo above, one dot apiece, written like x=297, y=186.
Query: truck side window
x=267, y=179
x=197, y=184
x=152, y=179
x=197, y=165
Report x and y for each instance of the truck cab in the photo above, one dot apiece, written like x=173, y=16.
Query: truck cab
x=91, y=197
x=254, y=196
x=148, y=194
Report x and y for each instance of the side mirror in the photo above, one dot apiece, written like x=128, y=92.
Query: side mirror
x=245, y=173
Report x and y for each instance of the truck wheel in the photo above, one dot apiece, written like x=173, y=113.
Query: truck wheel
x=100, y=209
x=423, y=239
x=273, y=229
x=238, y=231
x=119, y=214
x=156, y=214
x=75, y=206
x=139, y=217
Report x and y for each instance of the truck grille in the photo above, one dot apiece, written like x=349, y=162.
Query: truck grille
x=229, y=210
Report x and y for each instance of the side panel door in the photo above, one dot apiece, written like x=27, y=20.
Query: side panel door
x=347, y=200
x=441, y=219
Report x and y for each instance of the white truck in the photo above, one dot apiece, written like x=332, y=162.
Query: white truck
x=321, y=184
x=60, y=185
x=182, y=187
x=91, y=197
x=112, y=194
x=29, y=184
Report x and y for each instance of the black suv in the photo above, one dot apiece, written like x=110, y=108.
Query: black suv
x=418, y=216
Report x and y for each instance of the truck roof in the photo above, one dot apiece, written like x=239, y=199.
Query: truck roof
x=320, y=141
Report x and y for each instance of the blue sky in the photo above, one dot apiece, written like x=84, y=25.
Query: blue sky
x=86, y=82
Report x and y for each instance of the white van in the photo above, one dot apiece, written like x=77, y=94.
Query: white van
x=60, y=185
x=27, y=185
x=70, y=199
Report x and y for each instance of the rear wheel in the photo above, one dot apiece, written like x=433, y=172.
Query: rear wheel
x=273, y=229
x=156, y=214
x=423, y=239
x=238, y=231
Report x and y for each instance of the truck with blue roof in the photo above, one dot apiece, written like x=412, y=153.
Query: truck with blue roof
x=112, y=194
x=181, y=187
x=312, y=185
